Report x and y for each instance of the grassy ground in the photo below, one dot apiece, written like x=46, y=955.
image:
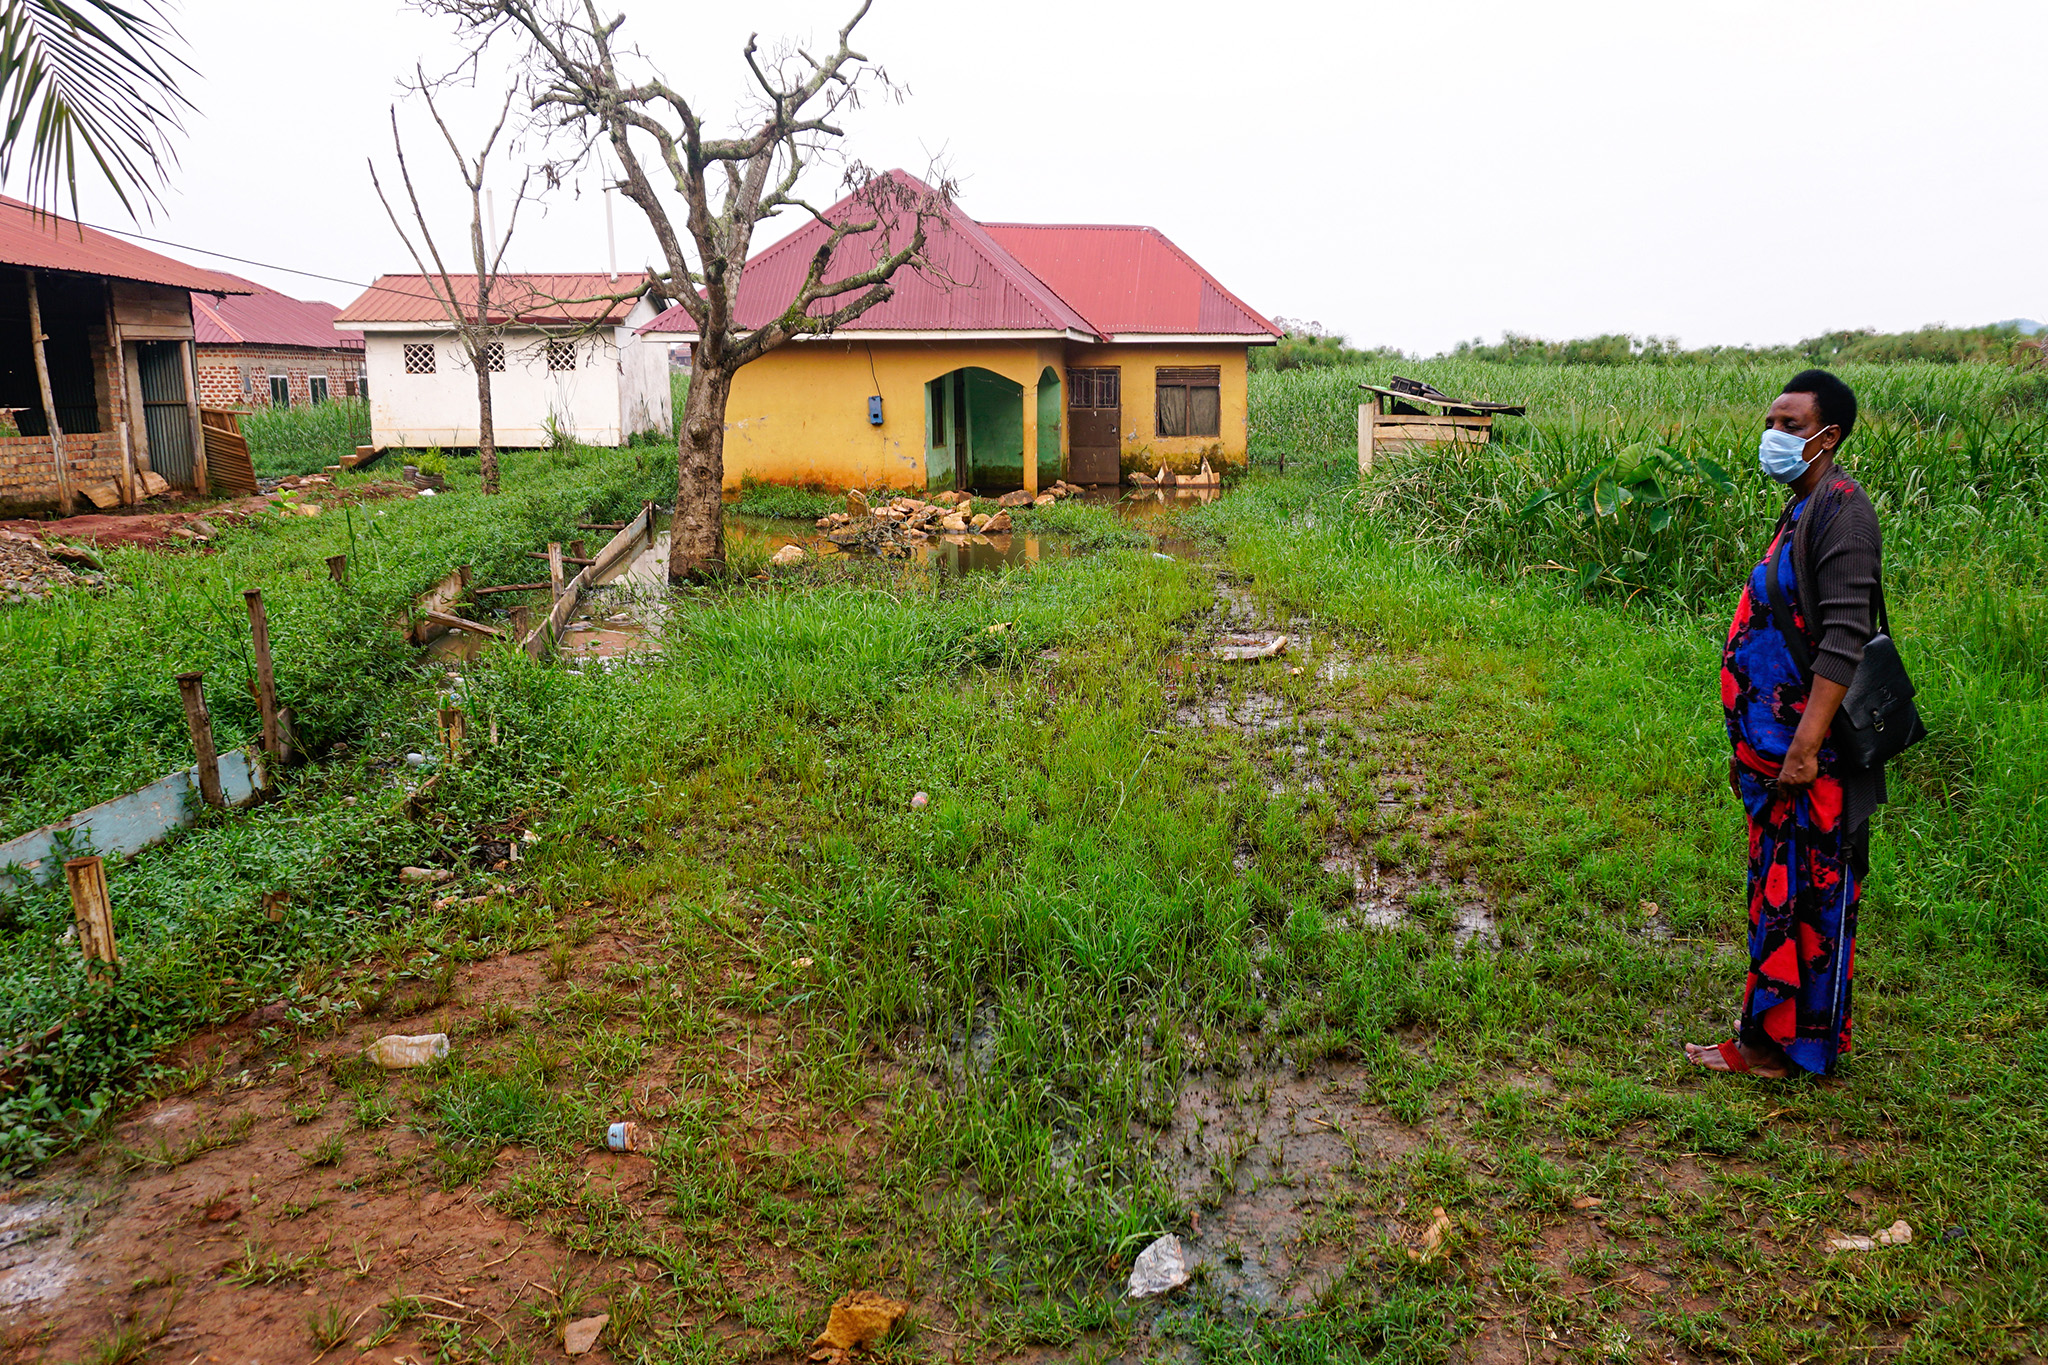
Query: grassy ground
x=1278, y=961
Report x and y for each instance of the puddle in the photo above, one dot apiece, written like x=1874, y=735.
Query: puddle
x=963, y=553
x=1271, y=1165
x=36, y=1262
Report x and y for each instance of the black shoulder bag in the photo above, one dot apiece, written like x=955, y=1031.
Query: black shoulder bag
x=1878, y=720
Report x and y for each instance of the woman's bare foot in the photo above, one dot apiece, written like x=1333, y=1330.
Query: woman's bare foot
x=1758, y=1063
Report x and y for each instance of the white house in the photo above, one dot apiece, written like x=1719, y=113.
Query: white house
x=566, y=356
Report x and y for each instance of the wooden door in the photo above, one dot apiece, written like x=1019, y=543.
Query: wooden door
x=1094, y=424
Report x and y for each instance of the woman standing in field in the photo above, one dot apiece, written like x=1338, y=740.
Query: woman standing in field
x=1809, y=812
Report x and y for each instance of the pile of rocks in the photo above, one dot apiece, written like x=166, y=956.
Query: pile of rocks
x=900, y=523
x=28, y=568
x=892, y=527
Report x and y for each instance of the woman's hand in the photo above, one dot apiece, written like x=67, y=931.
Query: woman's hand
x=1802, y=757
x=1801, y=768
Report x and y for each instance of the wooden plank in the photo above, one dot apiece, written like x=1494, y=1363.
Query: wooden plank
x=509, y=587
x=1472, y=407
x=440, y=597
x=1368, y=414
x=227, y=453
x=92, y=911
x=128, y=824
x=578, y=560
x=625, y=543
x=454, y=622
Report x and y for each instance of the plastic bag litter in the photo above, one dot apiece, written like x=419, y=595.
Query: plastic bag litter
x=398, y=1052
x=1160, y=1268
x=1897, y=1235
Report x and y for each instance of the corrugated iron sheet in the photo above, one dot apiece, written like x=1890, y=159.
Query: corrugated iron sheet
x=541, y=300
x=265, y=317
x=999, y=277
x=44, y=241
x=1129, y=279
x=972, y=285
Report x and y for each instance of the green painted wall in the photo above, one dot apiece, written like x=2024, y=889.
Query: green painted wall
x=938, y=456
x=1050, y=410
x=995, y=428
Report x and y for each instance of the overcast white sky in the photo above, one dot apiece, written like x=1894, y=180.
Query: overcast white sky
x=1746, y=171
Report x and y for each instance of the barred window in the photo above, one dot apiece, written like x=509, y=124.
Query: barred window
x=1094, y=388
x=1190, y=400
x=419, y=357
x=561, y=355
x=494, y=356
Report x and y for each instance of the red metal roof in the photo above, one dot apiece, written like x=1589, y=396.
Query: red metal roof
x=1002, y=278
x=1130, y=280
x=536, y=299
x=265, y=317
x=45, y=241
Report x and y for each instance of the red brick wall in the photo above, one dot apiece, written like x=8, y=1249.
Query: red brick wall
x=28, y=478
x=239, y=376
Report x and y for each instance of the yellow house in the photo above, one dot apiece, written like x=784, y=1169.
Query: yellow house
x=1099, y=349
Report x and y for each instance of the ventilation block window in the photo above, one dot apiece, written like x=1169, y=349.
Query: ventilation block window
x=561, y=355
x=316, y=388
x=280, y=391
x=1190, y=400
x=1095, y=388
x=419, y=357
x=494, y=356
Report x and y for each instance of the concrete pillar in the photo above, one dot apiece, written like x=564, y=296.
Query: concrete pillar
x=1031, y=438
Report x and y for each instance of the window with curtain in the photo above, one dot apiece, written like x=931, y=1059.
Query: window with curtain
x=1190, y=400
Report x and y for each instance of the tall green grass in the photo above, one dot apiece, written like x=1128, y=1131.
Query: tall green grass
x=307, y=438
x=1961, y=489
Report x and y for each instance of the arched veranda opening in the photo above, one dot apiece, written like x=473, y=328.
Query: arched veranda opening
x=974, y=429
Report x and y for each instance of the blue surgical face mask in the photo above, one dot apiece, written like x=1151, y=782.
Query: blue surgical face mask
x=1783, y=455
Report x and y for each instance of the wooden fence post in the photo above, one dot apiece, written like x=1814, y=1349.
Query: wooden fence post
x=522, y=620
x=201, y=725
x=577, y=551
x=266, y=680
x=337, y=568
x=554, y=570
x=93, y=911
x=451, y=733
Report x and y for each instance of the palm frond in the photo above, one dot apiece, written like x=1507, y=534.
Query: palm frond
x=93, y=78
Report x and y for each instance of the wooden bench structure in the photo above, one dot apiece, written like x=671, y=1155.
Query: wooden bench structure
x=1394, y=419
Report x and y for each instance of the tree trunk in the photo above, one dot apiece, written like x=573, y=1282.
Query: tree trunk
x=486, y=428
x=696, y=534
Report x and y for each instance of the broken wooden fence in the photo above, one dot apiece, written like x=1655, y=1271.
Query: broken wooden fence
x=617, y=550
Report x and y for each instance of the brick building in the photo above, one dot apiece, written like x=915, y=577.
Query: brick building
x=266, y=349
x=115, y=329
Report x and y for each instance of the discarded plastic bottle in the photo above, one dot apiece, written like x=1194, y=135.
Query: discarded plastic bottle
x=397, y=1052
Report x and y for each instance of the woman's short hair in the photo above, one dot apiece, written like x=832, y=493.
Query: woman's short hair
x=1836, y=400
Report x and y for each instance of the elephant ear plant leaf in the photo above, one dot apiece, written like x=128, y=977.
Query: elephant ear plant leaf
x=1626, y=515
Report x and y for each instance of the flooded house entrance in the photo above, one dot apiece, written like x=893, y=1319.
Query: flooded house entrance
x=974, y=429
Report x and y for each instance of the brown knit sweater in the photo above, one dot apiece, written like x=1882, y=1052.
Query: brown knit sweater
x=1836, y=554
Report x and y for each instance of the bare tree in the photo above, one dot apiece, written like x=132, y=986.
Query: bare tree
x=727, y=186
x=471, y=318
